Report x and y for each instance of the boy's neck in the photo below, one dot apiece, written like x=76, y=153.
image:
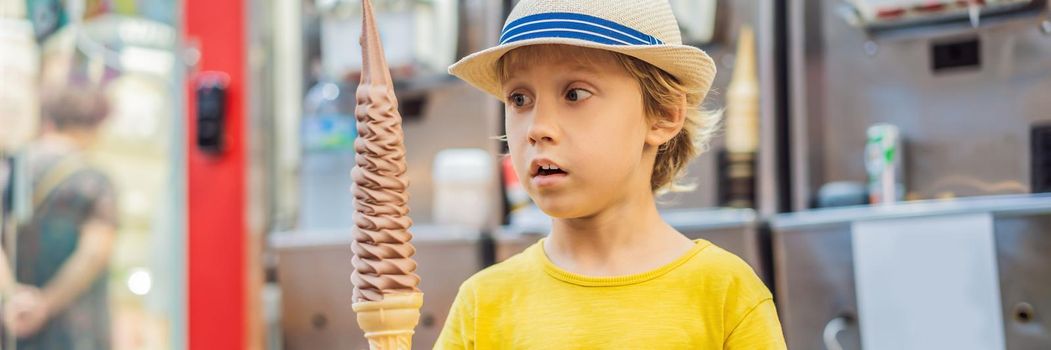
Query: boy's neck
x=624, y=239
x=72, y=139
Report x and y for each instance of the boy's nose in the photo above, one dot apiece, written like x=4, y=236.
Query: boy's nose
x=541, y=136
x=543, y=128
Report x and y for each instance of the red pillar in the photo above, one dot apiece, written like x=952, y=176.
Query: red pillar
x=216, y=184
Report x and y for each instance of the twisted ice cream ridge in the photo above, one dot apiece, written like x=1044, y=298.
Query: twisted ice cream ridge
x=383, y=262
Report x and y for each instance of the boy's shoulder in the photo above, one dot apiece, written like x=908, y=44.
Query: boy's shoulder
x=721, y=261
x=715, y=266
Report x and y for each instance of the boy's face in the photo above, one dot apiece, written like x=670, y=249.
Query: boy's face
x=579, y=110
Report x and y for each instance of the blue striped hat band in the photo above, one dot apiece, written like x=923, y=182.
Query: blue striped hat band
x=574, y=26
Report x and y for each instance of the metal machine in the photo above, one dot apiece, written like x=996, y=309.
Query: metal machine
x=817, y=288
x=965, y=83
x=961, y=87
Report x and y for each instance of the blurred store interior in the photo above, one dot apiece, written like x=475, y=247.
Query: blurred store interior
x=881, y=164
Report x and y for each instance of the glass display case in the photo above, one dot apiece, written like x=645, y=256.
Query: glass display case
x=125, y=52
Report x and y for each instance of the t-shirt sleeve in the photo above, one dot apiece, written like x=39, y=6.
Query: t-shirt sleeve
x=102, y=198
x=759, y=329
x=458, y=332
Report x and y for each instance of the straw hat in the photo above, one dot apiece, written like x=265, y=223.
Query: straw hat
x=644, y=29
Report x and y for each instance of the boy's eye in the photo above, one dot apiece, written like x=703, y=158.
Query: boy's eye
x=520, y=100
x=577, y=94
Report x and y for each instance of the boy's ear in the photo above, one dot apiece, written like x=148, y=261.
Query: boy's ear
x=668, y=124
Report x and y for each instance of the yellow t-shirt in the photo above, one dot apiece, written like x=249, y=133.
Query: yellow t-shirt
x=706, y=299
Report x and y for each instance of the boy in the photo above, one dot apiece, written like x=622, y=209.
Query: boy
x=58, y=296
x=601, y=113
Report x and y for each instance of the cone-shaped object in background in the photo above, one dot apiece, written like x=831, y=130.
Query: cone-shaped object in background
x=737, y=162
x=742, y=98
x=386, y=294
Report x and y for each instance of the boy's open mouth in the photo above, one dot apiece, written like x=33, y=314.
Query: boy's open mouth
x=544, y=167
x=545, y=172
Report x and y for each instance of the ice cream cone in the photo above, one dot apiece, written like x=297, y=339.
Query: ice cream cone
x=386, y=295
x=389, y=323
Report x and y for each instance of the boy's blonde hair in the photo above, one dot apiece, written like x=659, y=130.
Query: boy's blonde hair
x=662, y=94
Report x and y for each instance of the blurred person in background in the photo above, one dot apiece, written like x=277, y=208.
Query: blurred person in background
x=57, y=298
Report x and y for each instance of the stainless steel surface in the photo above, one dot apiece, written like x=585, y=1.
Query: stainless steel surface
x=814, y=284
x=804, y=58
x=831, y=333
x=814, y=267
x=768, y=182
x=1023, y=246
x=736, y=230
x=838, y=88
x=314, y=274
x=1009, y=204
